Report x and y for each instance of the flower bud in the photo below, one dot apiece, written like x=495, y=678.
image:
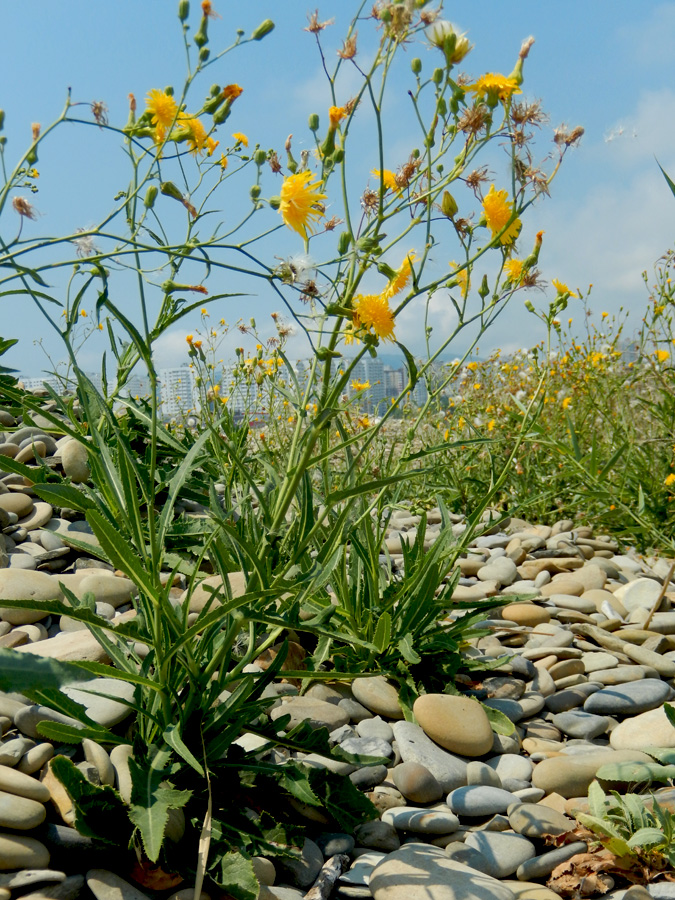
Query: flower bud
x=275, y=202
x=259, y=157
x=202, y=36
x=529, y=306
x=314, y=122
x=344, y=241
x=204, y=54
x=2, y=119
x=255, y=191
x=252, y=322
x=168, y=90
x=263, y=29
x=221, y=114
x=183, y=9
x=442, y=107
x=484, y=288
x=416, y=65
x=449, y=205
x=31, y=156
x=169, y=189
x=437, y=77
x=151, y=196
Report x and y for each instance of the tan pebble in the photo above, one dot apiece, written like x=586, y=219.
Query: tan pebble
x=35, y=758
x=528, y=614
x=459, y=724
x=567, y=667
x=28, y=454
x=18, y=852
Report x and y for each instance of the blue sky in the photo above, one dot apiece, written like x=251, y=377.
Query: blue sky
x=605, y=65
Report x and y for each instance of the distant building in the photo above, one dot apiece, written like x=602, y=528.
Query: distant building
x=177, y=391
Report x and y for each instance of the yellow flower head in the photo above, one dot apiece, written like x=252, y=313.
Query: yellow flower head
x=401, y=278
x=301, y=202
x=197, y=139
x=562, y=288
x=670, y=480
x=232, y=91
x=604, y=315
x=372, y=312
x=514, y=270
x=189, y=338
x=462, y=278
x=335, y=115
x=491, y=424
x=498, y=210
x=360, y=385
x=566, y=402
x=387, y=177
x=196, y=344
x=223, y=161
x=163, y=108
x=494, y=85
x=662, y=355
x=240, y=138
x=83, y=313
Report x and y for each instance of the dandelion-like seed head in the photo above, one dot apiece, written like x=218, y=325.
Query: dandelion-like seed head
x=25, y=209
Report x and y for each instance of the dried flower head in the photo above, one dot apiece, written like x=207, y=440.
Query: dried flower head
x=232, y=91
x=441, y=31
x=314, y=25
x=208, y=10
x=528, y=114
x=100, y=112
x=348, y=50
x=369, y=201
x=562, y=136
x=274, y=163
x=25, y=209
x=35, y=128
x=332, y=223
x=473, y=119
x=407, y=172
x=84, y=246
x=475, y=179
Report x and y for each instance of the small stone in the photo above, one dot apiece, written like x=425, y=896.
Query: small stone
x=19, y=584
x=317, y=713
x=422, y=821
x=14, y=782
x=570, y=776
x=20, y=813
x=305, y=869
x=35, y=758
x=479, y=800
x=416, y=782
x=416, y=872
x=641, y=593
x=458, y=724
x=375, y=727
x=511, y=765
x=649, y=729
x=629, y=699
x=331, y=843
x=377, y=835
x=378, y=695
x=105, y=885
x=503, y=852
x=74, y=460
x=534, y=820
x=480, y=773
x=541, y=866
x=96, y=755
x=29, y=717
x=528, y=614
x=18, y=852
x=449, y=770
x=368, y=777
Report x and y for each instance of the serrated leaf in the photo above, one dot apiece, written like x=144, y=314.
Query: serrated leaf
x=99, y=810
x=23, y=672
x=151, y=801
x=407, y=651
x=500, y=723
x=340, y=799
x=69, y=734
x=174, y=739
x=597, y=800
x=599, y=825
x=382, y=634
x=64, y=495
x=234, y=874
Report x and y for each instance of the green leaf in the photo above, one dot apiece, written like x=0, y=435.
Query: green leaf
x=599, y=825
x=22, y=672
x=500, y=723
x=340, y=799
x=669, y=181
x=597, y=800
x=120, y=553
x=407, y=651
x=151, y=800
x=99, y=810
x=234, y=873
x=382, y=634
x=69, y=734
x=174, y=739
x=670, y=713
x=64, y=495
x=635, y=772
x=646, y=837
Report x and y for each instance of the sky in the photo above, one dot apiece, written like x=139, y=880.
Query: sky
x=605, y=65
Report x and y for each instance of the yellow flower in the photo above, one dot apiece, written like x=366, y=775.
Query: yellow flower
x=372, y=312
x=562, y=288
x=223, y=161
x=461, y=422
x=83, y=313
x=514, y=270
x=566, y=402
x=196, y=344
x=33, y=173
x=100, y=326
x=491, y=424
x=204, y=311
x=240, y=138
x=402, y=277
x=387, y=177
x=364, y=421
x=498, y=211
x=462, y=278
x=472, y=366
x=670, y=480
x=335, y=115
x=163, y=108
x=197, y=138
x=494, y=85
x=360, y=385
x=232, y=91
x=301, y=202
x=604, y=315
x=189, y=338
x=662, y=355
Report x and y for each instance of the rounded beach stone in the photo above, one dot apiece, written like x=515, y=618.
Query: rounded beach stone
x=24, y=584
x=101, y=709
x=18, y=852
x=459, y=724
x=420, y=820
x=417, y=872
x=317, y=713
x=480, y=773
x=479, y=800
x=75, y=462
x=377, y=835
x=534, y=820
x=416, y=782
x=641, y=593
x=579, y=724
x=528, y=614
x=105, y=885
x=107, y=588
x=378, y=695
x=20, y=812
x=19, y=504
x=13, y=781
x=511, y=765
x=629, y=699
x=503, y=853
x=649, y=729
x=541, y=866
x=414, y=745
x=570, y=776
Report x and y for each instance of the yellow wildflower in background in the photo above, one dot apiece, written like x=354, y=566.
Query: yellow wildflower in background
x=562, y=288
x=670, y=480
x=462, y=278
x=163, y=108
x=492, y=84
x=360, y=385
x=498, y=210
x=223, y=161
x=372, y=312
x=662, y=355
x=387, y=177
x=335, y=115
x=240, y=138
x=402, y=277
x=566, y=402
x=301, y=202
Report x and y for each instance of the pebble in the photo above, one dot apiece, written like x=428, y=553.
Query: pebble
x=19, y=852
x=75, y=461
x=414, y=745
x=13, y=781
x=417, y=783
x=421, y=820
x=20, y=813
x=570, y=776
x=534, y=820
x=458, y=724
x=541, y=866
x=378, y=695
x=102, y=709
x=629, y=699
x=105, y=885
x=21, y=584
x=648, y=729
x=318, y=713
x=503, y=852
x=479, y=800
x=397, y=877
x=580, y=724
